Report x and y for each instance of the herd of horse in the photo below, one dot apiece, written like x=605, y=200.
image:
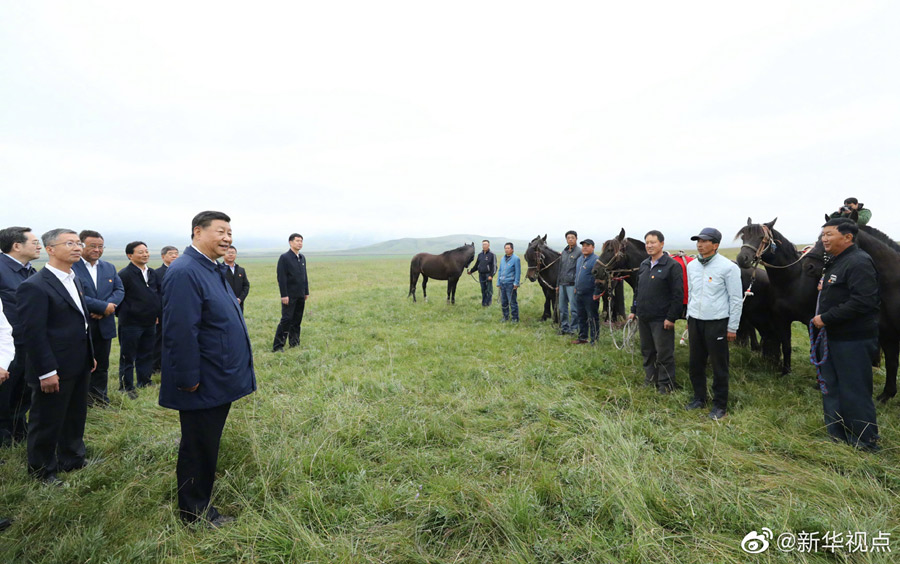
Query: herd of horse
x=780, y=283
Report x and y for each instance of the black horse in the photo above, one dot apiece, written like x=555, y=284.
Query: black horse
x=792, y=294
x=448, y=266
x=620, y=259
x=885, y=254
x=543, y=267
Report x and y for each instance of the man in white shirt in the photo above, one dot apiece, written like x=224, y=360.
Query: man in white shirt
x=59, y=358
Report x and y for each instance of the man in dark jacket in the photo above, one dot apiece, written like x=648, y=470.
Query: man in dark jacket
x=568, y=318
x=486, y=265
x=207, y=360
x=294, y=288
x=168, y=254
x=236, y=276
x=587, y=302
x=103, y=292
x=848, y=310
x=138, y=314
x=658, y=301
x=19, y=247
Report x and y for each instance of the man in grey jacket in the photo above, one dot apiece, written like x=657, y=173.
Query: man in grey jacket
x=715, y=302
x=568, y=319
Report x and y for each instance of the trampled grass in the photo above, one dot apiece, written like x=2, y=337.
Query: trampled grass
x=401, y=432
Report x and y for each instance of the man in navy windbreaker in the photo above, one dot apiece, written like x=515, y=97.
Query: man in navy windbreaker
x=207, y=362
x=587, y=306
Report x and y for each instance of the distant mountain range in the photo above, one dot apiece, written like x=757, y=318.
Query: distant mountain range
x=413, y=245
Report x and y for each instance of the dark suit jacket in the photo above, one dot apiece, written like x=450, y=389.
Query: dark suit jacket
x=11, y=275
x=142, y=305
x=54, y=337
x=205, y=339
x=239, y=282
x=109, y=290
x=161, y=272
x=292, y=282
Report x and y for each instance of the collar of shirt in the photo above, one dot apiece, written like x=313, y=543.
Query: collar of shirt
x=203, y=255
x=89, y=265
x=26, y=265
x=63, y=276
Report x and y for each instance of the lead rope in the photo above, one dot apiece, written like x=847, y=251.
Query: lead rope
x=814, y=342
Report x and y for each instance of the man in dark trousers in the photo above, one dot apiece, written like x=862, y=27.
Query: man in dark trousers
x=848, y=311
x=19, y=247
x=486, y=265
x=59, y=357
x=294, y=288
x=169, y=254
x=103, y=292
x=587, y=301
x=236, y=276
x=568, y=317
x=658, y=301
x=139, y=314
x=207, y=360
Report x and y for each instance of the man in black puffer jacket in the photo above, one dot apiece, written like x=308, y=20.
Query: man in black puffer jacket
x=848, y=310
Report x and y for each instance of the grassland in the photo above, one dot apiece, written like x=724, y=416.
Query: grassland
x=401, y=432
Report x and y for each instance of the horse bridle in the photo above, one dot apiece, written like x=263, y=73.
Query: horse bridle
x=765, y=245
x=538, y=256
x=620, y=254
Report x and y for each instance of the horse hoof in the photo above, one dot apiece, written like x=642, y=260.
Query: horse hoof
x=885, y=397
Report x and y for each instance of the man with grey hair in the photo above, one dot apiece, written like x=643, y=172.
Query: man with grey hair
x=59, y=358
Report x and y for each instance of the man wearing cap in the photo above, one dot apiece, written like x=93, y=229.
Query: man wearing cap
x=587, y=305
x=714, y=313
x=852, y=205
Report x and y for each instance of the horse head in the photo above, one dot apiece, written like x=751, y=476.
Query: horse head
x=758, y=242
x=533, y=254
x=612, y=254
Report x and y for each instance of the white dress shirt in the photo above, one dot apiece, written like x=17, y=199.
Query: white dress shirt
x=7, y=348
x=92, y=270
x=146, y=274
x=68, y=282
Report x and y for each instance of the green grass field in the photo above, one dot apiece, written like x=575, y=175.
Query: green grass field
x=401, y=432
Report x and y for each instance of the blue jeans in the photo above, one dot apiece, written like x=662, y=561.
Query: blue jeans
x=568, y=319
x=136, y=355
x=508, y=302
x=487, y=289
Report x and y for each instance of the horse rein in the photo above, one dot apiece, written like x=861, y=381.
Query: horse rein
x=765, y=246
x=538, y=256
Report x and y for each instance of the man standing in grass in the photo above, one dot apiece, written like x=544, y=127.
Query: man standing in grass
x=848, y=310
x=715, y=303
x=508, y=282
x=207, y=360
x=486, y=265
x=236, y=276
x=294, y=288
x=657, y=304
x=568, y=321
x=139, y=315
x=169, y=254
x=587, y=305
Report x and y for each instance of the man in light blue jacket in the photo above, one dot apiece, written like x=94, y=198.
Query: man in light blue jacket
x=508, y=275
x=715, y=301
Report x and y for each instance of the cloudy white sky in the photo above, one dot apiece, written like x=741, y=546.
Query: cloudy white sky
x=377, y=120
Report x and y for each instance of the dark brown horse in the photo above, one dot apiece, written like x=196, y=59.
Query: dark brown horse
x=448, y=266
x=543, y=267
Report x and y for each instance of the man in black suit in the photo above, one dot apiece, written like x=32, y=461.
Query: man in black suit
x=169, y=254
x=138, y=315
x=59, y=358
x=294, y=288
x=19, y=247
x=236, y=276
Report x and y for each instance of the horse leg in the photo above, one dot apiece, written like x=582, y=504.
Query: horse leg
x=891, y=347
x=413, y=280
x=452, y=289
x=547, y=313
x=785, y=337
x=424, y=283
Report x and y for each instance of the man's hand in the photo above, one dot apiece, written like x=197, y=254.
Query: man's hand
x=668, y=325
x=732, y=337
x=192, y=389
x=597, y=298
x=631, y=317
x=515, y=286
x=4, y=375
x=285, y=300
x=306, y=297
x=490, y=278
x=817, y=321
x=110, y=309
x=50, y=385
x=97, y=316
x=239, y=300
x=95, y=366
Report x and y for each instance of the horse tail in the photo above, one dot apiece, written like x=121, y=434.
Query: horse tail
x=414, y=269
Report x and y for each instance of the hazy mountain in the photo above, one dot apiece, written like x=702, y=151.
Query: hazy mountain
x=413, y=245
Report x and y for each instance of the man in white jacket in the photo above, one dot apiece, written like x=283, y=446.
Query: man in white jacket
x=714, y=313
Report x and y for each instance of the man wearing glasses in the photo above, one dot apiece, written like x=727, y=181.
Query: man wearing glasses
x=19, y=247
x=55, y=336
x=103, y=292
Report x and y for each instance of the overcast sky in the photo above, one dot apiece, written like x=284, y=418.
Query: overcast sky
x=377, y=120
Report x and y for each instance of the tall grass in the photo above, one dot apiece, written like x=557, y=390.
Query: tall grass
x=401, y=432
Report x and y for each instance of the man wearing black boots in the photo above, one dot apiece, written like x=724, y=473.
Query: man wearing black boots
x=294, y=288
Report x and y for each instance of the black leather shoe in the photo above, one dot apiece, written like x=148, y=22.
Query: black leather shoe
x=221, y=521
x=51, y=480
x=132, y=394
x=5, y=524
x=278, y=350
x=696, y=404
x=717, y=413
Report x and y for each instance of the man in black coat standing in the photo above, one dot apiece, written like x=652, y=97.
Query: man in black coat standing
x=139, y=314
x=294, y=288
x=236, y=276
x=486, y=265
x=169, y=254
x=59, y=358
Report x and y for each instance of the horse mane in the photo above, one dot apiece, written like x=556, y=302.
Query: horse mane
x=881, y=236
x=458, y=249
x=615, y=246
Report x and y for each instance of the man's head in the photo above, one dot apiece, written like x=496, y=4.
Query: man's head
x=296, y=242
x=485, y=245
x=838, y=234
x=93, y=245
x=211, y=233
x=138, y=253
x=708, y=241
x=168, y=254
x=20, y=243
x=654, y=241
x=508, y=249
x=851, y=203
x=571, y=238
x=587, y=247
x=63, y=246
x=230, y=255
